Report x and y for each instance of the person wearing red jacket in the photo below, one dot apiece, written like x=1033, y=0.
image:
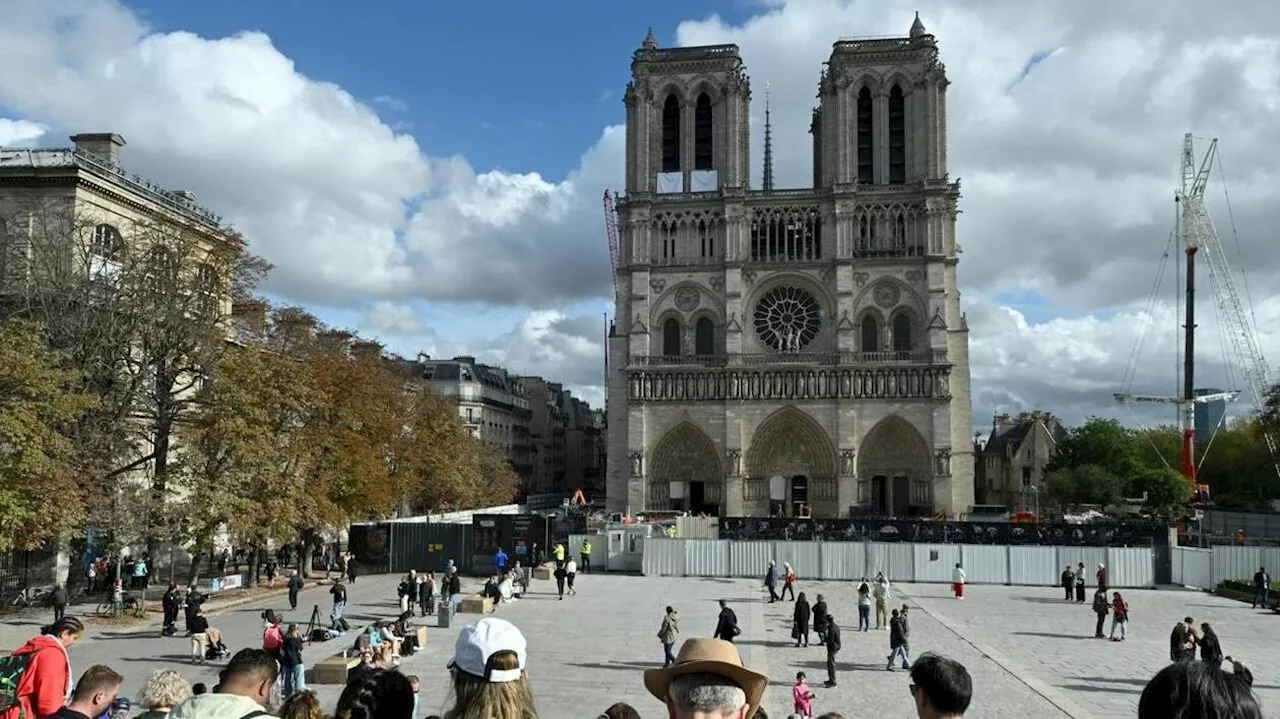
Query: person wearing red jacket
x=46, y=680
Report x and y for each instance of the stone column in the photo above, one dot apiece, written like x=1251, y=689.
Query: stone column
x=733, y=483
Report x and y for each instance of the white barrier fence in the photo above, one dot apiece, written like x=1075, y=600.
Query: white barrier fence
x=1206, y=568
x=901, y=562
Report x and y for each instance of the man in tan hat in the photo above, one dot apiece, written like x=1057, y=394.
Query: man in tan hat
x=707, y=681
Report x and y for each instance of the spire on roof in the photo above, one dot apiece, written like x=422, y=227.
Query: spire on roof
x=768, y=143
x=650, y=42
x=917, y=27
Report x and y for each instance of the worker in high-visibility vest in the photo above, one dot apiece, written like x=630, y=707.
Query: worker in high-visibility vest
x=585, y=551
x=671, y=532
x=558, y=553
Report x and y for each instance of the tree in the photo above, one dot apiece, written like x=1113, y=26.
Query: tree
x=39, y=496
x=141, y=311
x=439, y=462
x=1084, y=484
x=1100, y=442
x=498, y=479
x=1167, y=491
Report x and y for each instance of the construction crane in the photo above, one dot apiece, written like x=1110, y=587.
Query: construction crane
x=611, y=231
x=1199, y=235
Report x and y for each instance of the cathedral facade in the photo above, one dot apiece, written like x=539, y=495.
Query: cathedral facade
x=789, y=351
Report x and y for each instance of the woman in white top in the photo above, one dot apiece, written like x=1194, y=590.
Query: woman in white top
x=957, y=581
x=570, y=571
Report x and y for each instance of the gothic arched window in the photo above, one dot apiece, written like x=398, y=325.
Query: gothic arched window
x=702, y=145
x=704, y=338
x=897, y=136
x=870, y=334
x=902, y=333
x=671, y=338
x=671, y=134
x=866, y=171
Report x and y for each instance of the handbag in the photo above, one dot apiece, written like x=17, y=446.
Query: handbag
x=795, y=632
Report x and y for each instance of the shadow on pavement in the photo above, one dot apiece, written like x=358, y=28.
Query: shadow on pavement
x=1049, y=600
x=1054, y=636
x=1105, y=690
x=628, y=666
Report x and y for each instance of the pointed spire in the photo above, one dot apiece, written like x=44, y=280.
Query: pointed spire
x=650, y=42
x=768, y=143
x=917, y=27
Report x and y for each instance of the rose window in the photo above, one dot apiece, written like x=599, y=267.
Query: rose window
x=787, y=319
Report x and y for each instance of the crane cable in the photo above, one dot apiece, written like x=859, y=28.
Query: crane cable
x=1131, y=369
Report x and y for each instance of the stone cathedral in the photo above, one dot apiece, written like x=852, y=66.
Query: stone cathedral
x=798, y=351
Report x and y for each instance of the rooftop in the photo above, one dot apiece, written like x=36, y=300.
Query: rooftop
x=79, y=159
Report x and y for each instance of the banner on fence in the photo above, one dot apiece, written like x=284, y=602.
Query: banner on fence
x=230, y=581
x=934, y=532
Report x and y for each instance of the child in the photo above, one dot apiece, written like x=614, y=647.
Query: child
x=413, y=682
x=802, y=698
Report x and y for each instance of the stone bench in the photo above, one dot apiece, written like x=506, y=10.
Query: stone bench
x=546, y=570
x=475, y=604
x=333, y=670
x=421, y=631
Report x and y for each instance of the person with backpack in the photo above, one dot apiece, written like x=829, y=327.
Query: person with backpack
x=35, y=681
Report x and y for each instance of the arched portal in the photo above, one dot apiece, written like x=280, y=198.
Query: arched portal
x=792, y=445
x=685, y=460
x=895, y=470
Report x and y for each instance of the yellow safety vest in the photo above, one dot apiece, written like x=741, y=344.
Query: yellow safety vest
x=586, y=547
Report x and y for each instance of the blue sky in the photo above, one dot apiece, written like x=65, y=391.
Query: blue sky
x=517, y=86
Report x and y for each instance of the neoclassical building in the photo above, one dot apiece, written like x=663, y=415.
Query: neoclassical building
x=783, y=351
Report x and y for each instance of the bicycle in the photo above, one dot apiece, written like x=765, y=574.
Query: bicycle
x=28, y=597
x=128, y=603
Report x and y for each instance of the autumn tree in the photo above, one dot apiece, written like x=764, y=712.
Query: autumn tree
x=141, y=311
x=39, y=399
x=498, y=479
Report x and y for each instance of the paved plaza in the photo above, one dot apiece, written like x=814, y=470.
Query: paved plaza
x=1031, y=653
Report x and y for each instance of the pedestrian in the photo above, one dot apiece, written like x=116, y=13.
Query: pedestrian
x=453, y=587
x=668, y=633
x=171, y=602
x=1068, y=581
x=801, y=698
x=271, y=573
x=881, y=594
x=164, y=690
x=561, y=573
x=897, y=642
x=192, y=607
x=585, y=553
x=91, y=573
x=800, y=622
x=833, y=648
x=957, y=581
x=820, y=619
x=1183, y=640
x=1100, y=608
x=427, y=594
x=295, y=586
x=44, y=676
x=726, y=623
x=1102, y=577
x=500, y=561
x=570, y=572
x=339, y=592
x=1261, y=586
x=1210, y=647
x=412, y=594
x=1080, y=583
x=771, y=581
x=788, y=582
x=59, y=601
x=1119, y=616
x=291, y=666
x=352, y=569
x=864, y=606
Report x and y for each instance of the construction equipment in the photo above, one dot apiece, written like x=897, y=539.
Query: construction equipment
x=611, y=231
x=1198, y=235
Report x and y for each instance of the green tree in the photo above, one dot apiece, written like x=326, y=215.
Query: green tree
x=1101, y=442
x=39, y=496
x=1167, y=491
x=1084, y=484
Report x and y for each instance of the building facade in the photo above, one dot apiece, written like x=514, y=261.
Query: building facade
x=1014, y=458
x=783, y=351
x=547, y=432
x=493, y=404
x=584, y=450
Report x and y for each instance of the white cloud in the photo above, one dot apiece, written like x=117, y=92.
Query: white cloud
x=392, y=103
x=19, y=133
x=1067, y=177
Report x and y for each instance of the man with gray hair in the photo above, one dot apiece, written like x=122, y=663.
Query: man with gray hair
x=707, y=681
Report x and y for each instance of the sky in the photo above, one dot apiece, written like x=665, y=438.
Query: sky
x=429, y=174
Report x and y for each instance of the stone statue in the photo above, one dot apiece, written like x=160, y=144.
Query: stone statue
x=846, y=462
x=637, y=459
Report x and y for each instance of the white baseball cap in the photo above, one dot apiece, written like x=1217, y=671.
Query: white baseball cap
x=477, y=643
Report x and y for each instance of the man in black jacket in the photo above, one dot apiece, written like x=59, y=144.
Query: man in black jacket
x=295, y=586
x=832, y=638
x=820, y=619
x=727, y=624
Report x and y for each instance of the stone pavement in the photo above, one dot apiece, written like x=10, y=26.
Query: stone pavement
x=1031, y=654
x=1034, y=634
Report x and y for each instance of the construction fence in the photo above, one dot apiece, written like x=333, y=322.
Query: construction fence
x=1127, y=567
x=1207, y=568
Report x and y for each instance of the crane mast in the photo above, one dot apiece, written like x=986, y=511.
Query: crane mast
x=1199, y=236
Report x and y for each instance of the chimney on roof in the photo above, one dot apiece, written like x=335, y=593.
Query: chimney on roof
x=104, y=145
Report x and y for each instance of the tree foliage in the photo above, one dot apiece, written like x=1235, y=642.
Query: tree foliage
x=38, y=401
